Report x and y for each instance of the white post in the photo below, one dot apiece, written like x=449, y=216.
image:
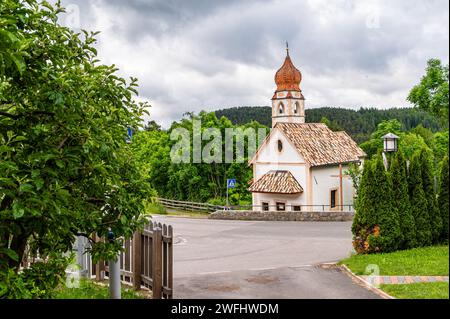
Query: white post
x=114, y=278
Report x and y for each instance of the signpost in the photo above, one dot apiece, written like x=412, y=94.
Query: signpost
x=231, y=183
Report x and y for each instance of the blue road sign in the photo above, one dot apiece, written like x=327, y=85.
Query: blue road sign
x=129, y=135
x=231, y=183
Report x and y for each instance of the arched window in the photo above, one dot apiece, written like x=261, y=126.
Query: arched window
x=281, y=108
x=296, y=108
x=280, y=145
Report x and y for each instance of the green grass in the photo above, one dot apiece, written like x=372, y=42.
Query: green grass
x=90, y=290
x=428, y=261
x=426, y=290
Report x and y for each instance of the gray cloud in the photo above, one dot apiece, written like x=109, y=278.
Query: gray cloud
x=191, y=55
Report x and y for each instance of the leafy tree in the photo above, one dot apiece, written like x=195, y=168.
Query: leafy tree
x=440, y=145
x=419, y=204
x=430, y=193
x=400, y=194
x=431, y=94
x=443, y=199
x=65, y=168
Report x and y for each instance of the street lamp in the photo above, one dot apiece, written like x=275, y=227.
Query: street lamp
x=390, y=142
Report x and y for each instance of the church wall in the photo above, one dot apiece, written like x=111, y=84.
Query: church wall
x=324, y=179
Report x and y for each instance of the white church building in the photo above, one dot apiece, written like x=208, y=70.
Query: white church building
x=301, y=166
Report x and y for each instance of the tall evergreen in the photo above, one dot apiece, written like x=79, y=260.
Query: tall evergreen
x=419, y=205
x=387, y=218
x=400, y=195
x=364, y=220
x=443, y=199
x=430, y=194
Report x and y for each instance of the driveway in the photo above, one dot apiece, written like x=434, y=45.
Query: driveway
x=260, y=259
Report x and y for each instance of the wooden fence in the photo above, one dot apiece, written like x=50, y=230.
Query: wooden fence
x=146, y=261
x=205, y=207
x=188, y=206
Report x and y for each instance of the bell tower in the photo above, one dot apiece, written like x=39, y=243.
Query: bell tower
x=288, y=103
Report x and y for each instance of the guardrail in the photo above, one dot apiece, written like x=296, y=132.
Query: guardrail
x=206, y=207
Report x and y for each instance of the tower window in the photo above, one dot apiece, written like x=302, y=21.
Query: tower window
x=296, y=108
x=281, y=108
x=280, y=145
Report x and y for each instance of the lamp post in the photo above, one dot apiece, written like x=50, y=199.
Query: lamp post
x=390, y=145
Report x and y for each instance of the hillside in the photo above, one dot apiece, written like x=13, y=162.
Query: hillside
x=358, y=123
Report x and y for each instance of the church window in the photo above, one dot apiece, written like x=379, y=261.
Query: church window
x=280, y=145
x=296, y=107
x=265, y=206
x=296, y=208
x=281, y=108
x=281, y=206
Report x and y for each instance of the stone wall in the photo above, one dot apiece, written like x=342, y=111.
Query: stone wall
x=282, y=216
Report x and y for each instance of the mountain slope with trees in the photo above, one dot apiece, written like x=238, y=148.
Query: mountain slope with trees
x=359, y=124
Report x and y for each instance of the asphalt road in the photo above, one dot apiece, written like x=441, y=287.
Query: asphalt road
x=259, y=259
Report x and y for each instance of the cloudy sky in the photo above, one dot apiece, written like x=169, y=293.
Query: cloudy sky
x=191, y=55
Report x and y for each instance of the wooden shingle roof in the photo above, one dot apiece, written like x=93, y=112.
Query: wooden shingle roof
x=319, y=145
x=280, y=182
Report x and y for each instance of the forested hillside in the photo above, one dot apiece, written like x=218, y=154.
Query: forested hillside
x=359, y=124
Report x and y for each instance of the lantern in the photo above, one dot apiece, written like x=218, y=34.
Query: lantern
x=390, y=142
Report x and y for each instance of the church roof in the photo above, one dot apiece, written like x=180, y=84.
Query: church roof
x=319, y=145
x=280, y=182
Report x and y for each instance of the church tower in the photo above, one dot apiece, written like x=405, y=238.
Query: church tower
x=288, y=103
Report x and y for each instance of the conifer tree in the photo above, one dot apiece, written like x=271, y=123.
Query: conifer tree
x=419, y=205
x=430, y=194
x=364, y=220
x=387, y=218
x=401, y=200
x=443, y=199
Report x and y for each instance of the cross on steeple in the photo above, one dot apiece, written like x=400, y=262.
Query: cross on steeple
x=287, y=48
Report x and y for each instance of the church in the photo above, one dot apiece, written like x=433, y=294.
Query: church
x=301, y=166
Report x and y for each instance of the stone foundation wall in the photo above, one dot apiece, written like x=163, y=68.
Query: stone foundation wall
x=336, y=216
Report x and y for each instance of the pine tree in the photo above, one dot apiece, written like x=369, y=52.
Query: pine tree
x=400, y=195
x=443, y=199
x=419, y=205
x=430, y=194
x=387, y=218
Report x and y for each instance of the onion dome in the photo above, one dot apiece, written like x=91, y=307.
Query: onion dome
x=288, y=77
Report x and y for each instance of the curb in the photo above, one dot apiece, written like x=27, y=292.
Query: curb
x=365, y=283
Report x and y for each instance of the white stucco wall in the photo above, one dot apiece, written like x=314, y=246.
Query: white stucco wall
x=288, y=159
x=324, y=179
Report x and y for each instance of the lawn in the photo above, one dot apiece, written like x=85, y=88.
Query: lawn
x=427, y=290
x=91, y=290
x=428, y=261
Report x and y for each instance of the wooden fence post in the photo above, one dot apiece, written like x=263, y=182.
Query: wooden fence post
x=137, y=261
x=157, y=263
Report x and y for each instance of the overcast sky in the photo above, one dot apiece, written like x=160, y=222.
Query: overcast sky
x=191, y=55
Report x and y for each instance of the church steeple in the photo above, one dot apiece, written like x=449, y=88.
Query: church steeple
x=288, y=103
